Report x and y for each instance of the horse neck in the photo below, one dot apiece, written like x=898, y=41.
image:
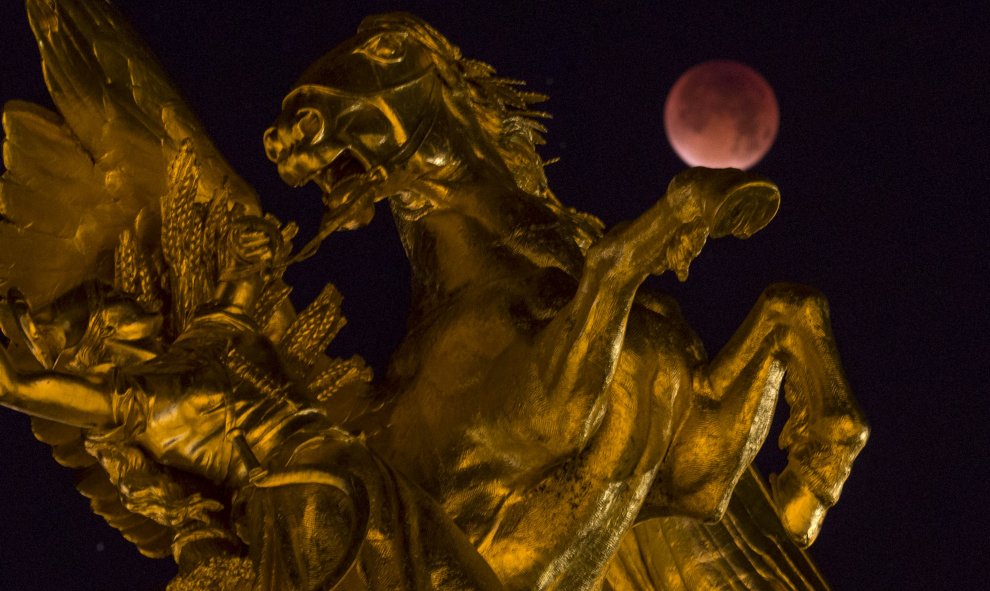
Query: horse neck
x=480, y=220
x=448, y=248
x=481, y=232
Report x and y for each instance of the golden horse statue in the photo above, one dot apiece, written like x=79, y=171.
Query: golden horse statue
x=545, y=423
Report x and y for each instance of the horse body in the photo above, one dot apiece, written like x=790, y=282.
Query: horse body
x=533, y=397
x=499, y=457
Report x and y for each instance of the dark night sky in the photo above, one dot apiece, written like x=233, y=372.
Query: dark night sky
x=882, y=163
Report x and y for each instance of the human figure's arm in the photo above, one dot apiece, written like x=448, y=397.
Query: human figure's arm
x=255, y=243
x=55, y=396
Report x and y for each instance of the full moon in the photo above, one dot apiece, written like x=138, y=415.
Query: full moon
x=721, y=114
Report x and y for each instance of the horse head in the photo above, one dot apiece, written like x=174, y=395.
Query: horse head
x=397, y=112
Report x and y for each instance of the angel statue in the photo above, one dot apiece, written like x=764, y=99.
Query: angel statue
x=547, y=423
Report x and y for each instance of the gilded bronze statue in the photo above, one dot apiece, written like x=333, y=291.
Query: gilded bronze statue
x=545, y=424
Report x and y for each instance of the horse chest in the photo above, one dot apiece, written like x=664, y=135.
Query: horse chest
x=442, y=379
x=464, y=370
x=459, y=347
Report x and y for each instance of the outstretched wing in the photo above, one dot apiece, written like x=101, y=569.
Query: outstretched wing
x=747, y=550
x=77, y=178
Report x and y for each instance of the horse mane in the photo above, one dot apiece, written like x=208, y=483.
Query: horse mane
x=503, y=113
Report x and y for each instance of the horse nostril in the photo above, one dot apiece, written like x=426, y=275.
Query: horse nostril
x=309, y=125
x=271, y=142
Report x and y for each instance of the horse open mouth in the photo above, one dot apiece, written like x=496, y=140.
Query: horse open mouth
x=349, y=186
x=343, y=167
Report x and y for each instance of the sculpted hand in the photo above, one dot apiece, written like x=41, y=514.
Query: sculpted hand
x=255, y=244
x=150, y=503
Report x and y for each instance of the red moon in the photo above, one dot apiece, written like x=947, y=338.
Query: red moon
x=721, y=114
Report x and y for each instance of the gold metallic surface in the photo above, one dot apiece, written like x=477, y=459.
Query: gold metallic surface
x=545, y=424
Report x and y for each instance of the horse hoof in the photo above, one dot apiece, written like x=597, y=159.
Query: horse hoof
x=800, y=511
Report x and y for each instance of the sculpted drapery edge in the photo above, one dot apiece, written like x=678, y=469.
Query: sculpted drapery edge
x=585, y=441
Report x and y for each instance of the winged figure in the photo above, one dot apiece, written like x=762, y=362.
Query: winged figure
x=545, y=424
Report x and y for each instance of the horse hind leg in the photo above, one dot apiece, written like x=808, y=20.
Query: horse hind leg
x=730, y=412
x=786, y=340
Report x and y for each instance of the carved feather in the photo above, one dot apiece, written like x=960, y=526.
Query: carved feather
x=76, y=180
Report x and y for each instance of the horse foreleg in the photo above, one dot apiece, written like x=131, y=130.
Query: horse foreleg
x=826, y=429
x=578, y=350
x=786, y=338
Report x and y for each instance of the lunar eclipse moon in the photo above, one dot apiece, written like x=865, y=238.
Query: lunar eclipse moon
x=721, y=114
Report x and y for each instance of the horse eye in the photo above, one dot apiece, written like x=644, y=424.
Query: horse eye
x=387, y=47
